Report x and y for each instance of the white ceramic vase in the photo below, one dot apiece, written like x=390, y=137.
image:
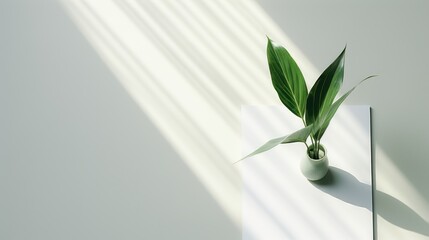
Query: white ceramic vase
x=315, y=169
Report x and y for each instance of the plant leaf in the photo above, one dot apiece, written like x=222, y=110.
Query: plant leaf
x=323, y=92
x=287, y=79
x=298, y=136
x=322, y=123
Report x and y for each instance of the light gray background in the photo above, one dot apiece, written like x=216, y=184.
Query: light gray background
x=80, y=160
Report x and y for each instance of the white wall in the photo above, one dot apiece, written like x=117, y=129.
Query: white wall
x=79, y=159
x=124, y=126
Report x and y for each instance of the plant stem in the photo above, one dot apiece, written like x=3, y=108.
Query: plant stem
x=303, y=121
x=313, y=143
x=316, y=149
x=311, y=137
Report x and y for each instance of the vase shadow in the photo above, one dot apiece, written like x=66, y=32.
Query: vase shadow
x=344, y=186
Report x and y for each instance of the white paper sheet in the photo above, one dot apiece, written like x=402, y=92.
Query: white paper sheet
x=280, y=203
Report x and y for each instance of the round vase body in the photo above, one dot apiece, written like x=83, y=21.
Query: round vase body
x=315, y=169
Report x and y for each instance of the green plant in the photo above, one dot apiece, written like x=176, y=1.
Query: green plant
x=315, y=108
